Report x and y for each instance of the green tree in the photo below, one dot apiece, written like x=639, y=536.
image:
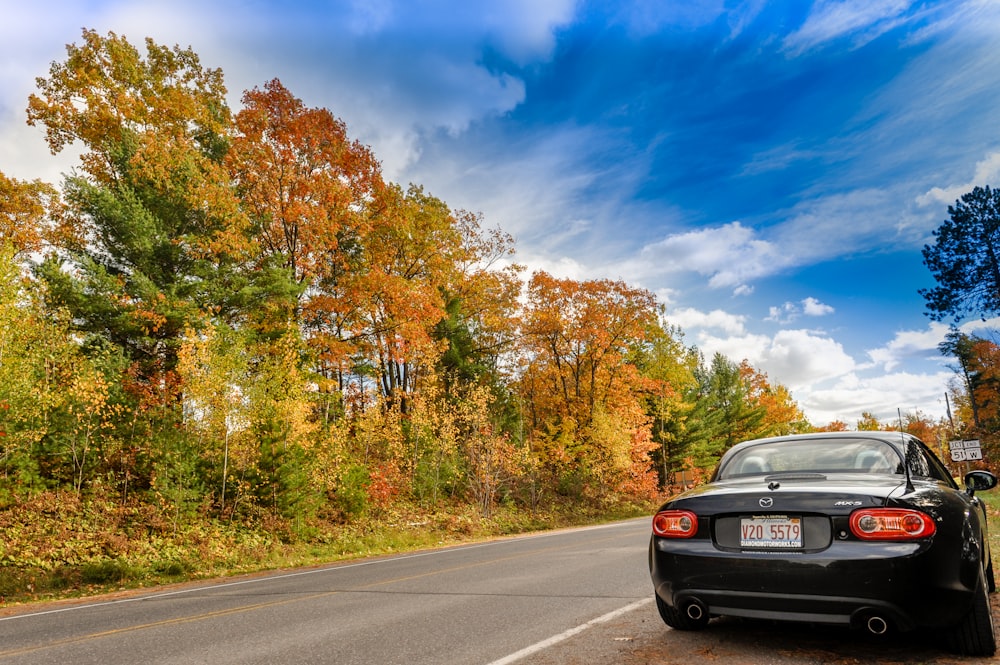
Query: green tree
x=162, y=230
x=965, y=259
x=24, y=340
x=57, y=405
x=724, y=411
x=671, y=368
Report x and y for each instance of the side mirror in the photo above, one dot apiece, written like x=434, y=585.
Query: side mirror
x=977, y=481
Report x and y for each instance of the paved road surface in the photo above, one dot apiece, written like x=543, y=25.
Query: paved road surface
x=491, y=604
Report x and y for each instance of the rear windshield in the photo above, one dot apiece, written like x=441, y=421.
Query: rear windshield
x=816, y=456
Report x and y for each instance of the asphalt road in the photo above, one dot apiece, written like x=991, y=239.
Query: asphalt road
x=494, y=603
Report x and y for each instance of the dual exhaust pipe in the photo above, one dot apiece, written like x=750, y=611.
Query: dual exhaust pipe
x=874, y=624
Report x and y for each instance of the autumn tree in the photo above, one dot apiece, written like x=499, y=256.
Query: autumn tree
x=781, y=414
x=30, y=215
x=215, y=369
x=580, y=384
x=24, y=340
x=962, y=347
x=307, y=189
x=868, y=423
x=57, y=405
x=481, y=306
x=985, y=369
x=978, y=400
x=282, y=425
x=407, y=262
x=924, y=428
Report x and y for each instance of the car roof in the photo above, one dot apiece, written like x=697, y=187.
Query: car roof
x=894, y=439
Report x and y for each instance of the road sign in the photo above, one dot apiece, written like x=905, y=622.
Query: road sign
x=968, y=450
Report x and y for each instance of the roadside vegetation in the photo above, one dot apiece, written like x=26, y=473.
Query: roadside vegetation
x=228, y=344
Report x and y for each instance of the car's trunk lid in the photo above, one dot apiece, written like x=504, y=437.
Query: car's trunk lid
x=786, y=512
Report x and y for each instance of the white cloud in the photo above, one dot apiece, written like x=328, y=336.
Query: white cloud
x=883, y=396
x=563, y=267
x=798, y=359
x=782, y=313
x=987, y=328
x=909, y=344
x=803, y=358
x=827, y=383
x=790, y=311
x=690, y=318
x=987, y=172
x=818, y=229
x=524, y=30
x=729, y=255
x=813, y=307
x=825, y=227
x=825, y=380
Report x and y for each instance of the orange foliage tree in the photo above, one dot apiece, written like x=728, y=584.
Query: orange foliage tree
x=580, y=389
x=30, y=213
x=781, y=414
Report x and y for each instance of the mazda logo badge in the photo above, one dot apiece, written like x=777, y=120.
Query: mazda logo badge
x=766, y=502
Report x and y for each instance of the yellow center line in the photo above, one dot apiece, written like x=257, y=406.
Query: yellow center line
x=157, y=624
x=275, y=603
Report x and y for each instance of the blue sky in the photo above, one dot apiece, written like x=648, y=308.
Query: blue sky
x=770, y=170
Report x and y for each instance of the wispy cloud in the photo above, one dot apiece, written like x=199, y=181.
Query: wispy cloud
x=860, y=21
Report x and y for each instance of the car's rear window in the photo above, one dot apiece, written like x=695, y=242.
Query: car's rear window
x=813, y=456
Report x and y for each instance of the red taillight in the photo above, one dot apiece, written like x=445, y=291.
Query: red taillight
x=891, y=524
x=675, y=524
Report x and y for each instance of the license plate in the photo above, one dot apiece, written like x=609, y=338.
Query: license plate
x=775, y=531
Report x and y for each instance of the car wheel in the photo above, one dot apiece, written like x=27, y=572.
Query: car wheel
x=991, y=582
x=974, y=635
x=678, y=620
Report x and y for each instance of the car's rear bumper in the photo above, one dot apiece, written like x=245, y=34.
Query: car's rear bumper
x=902, y=583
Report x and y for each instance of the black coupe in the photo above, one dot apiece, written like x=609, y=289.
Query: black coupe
x=865, y=529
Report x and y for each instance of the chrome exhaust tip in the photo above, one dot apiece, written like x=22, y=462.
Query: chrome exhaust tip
x=695, y=611
x=876, y=625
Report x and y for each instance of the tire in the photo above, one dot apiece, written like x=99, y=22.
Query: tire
x=974, y=635
x=991, y=582
x=678, y=620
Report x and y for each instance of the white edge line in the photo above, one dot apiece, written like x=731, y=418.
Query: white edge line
x=324, y=569
x=555, y=639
